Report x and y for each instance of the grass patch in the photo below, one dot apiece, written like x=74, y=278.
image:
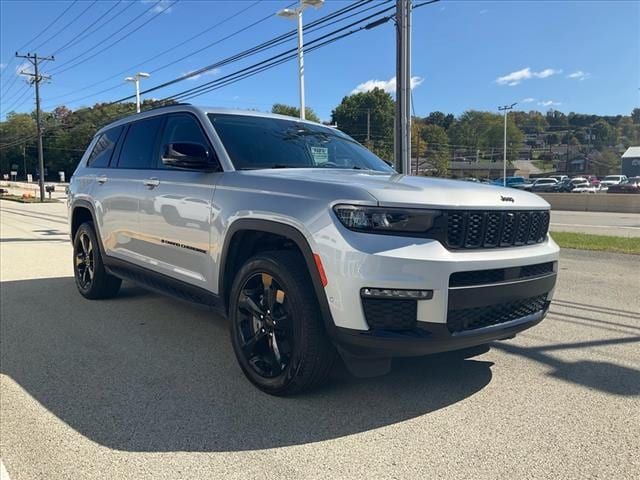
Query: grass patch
x=603, y=243
x=20, y=199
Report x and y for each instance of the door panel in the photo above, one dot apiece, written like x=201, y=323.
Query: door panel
x=175, y=224
x=175, y=216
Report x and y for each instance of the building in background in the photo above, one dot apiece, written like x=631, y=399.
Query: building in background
x=631, y=162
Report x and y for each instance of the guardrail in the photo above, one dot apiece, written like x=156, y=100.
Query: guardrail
x=590, y=202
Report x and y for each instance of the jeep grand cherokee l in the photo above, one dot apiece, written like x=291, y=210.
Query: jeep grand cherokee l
x=311, y=245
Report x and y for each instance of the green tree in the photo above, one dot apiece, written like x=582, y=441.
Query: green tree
x=440, y=119
x=282, y=109
x=17, y=135
x=437, y=151
x=605, y=135
x=484, y=131
x=635, y=116
x=351, y=118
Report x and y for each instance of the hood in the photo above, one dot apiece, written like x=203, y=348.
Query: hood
x=411, y=191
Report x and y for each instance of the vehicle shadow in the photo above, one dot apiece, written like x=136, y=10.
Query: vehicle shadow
x=144, y=372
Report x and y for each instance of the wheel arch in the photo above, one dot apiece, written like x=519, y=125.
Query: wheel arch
x=245, y=233
x=84, y=211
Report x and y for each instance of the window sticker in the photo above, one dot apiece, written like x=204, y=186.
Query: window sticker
x=320, y=155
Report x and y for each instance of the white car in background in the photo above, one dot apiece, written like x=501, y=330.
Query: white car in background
x=612, y=180
x=585, y=187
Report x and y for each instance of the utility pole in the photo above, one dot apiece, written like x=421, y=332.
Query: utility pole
x=36, y=78
x=24, y=160
x=368, y=128
x=505, y=109
x=402, y=137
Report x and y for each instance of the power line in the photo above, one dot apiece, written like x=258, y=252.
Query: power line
x=82, y=37
x=273, y=42
x=79, y=35
x=66, y=26
x=133, y=67
x=39, y=34
x=258, y=48
x=60, y=68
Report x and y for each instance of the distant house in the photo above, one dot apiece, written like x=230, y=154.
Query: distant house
x=631, y=162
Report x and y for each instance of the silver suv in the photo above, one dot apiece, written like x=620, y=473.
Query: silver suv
x=311, y=245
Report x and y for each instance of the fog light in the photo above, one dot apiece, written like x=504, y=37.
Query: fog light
x=392, y=293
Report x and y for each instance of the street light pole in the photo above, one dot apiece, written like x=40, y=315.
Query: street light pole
x=297, y=13
x=505, y=109
x=136, y=79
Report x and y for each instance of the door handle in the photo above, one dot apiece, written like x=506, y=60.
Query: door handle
x=101, y=179
x=151, y=183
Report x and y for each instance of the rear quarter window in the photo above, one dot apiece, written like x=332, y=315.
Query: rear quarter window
x=102, y=151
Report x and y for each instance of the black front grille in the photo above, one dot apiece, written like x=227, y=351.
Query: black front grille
x=488, y=229
x=474, y=318
x=390, y=314
x=496, y=275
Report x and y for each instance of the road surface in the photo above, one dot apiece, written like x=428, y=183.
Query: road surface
x=146, y=387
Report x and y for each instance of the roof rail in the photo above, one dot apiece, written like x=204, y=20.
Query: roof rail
x=166, y=106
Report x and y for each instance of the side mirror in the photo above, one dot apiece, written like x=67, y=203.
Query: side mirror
x=188, y=156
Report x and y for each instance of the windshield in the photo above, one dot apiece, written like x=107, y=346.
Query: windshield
x=614, y=178
x=264, y=142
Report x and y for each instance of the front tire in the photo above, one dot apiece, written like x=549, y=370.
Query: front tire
x=92, y=280
x=276, y=328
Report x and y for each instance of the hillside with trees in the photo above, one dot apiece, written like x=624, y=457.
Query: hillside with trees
x=551, y=140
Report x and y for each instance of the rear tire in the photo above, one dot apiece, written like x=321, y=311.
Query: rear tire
x=92, y=280
x=276, y=329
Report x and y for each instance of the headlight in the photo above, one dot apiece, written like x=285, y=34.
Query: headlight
x=382, y=219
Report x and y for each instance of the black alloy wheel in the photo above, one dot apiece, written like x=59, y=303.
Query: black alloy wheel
x=277, y=331
x=264, y=325
x=85, y=261
x=92, y=279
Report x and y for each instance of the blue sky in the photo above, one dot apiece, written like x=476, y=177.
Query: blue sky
x=581, y=56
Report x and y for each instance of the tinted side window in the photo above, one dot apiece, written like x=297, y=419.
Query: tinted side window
x=140, y=144
x=181, y=128
x=103, y=149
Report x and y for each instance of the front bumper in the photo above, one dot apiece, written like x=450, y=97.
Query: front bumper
x=430, y=338
x=374, y=261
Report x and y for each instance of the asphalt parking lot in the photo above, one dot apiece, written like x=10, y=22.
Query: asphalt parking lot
x=144, y=386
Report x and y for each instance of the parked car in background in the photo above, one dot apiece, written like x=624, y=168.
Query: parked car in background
x=514, y=182
x=559, y=178
x=593, y=180
x=612, y=180
x=565, y=186
x=632, y=185
x=543, y=185
x=584, y=187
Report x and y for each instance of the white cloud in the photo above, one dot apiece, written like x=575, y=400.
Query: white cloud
x=579, y=75
x=547, y=72
x=161, y=6
x=2, y=65
x=528, y=100
x=388, y=86
x=549, y=103
x=214, y=71
x=483, y=11
x=517, y=77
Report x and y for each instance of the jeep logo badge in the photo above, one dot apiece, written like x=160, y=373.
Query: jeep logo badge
x=507, y=199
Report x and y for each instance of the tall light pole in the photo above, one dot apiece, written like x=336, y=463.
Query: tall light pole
x=505, y=109
x=136, y=79
x=296, y=13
